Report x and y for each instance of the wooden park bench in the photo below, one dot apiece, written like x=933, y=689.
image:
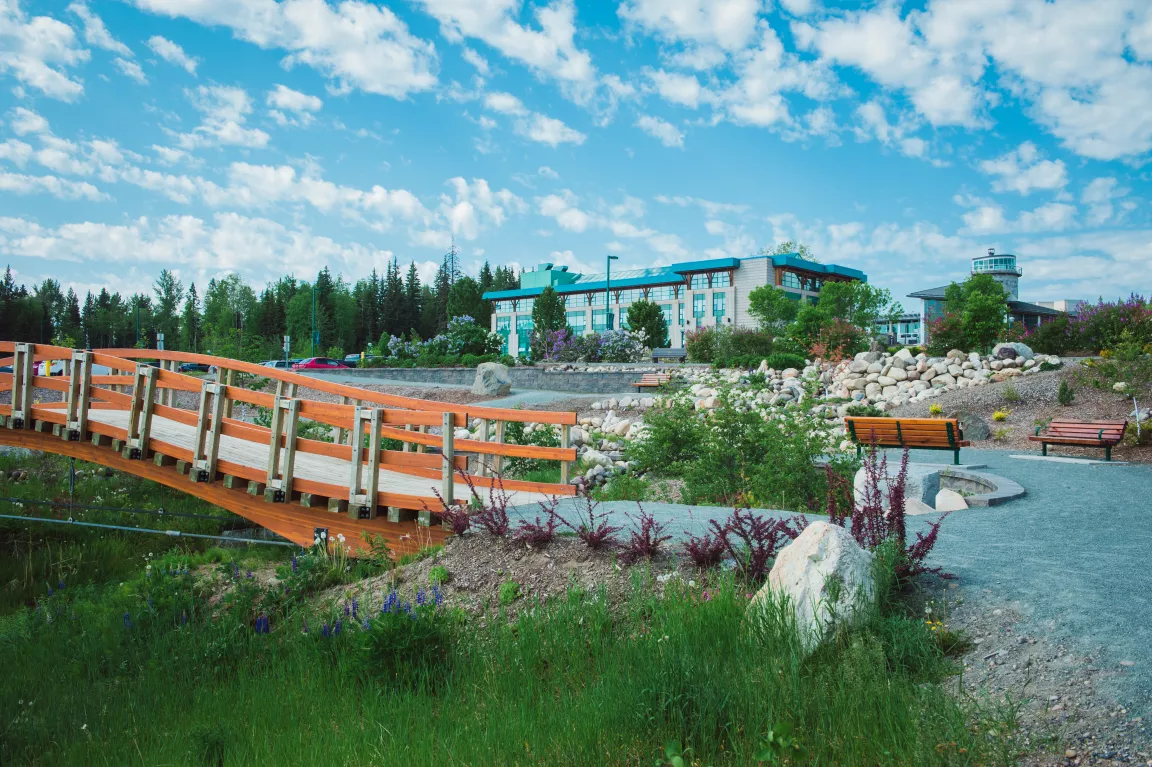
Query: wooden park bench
x=675, y=355
x=1105, y=434
x=652, y=381
x=912, y=433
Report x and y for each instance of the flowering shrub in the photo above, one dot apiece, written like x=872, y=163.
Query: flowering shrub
x=872, y=525
x=463, y=341
x=752, y=540
x=594, y=529
x=705, y=551
x=621, y=346
x=646, y=539
x=535, y=532
x=552, y=346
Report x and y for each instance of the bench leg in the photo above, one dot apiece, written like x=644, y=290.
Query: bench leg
x=1108, y=453
x=1044, y=449
x=955, y=457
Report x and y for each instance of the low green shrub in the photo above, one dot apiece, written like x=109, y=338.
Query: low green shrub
x=865, y=411
x=1065, y=394
x=623, y=487
x=783, y=361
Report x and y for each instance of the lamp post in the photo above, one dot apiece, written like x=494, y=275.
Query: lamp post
x=608, y=287
x=313, y=320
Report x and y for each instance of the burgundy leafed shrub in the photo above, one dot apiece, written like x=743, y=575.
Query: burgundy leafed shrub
x=706, y=550
x=646, y=539
x=871, y=524
x=539, y=533
x=493, y=514
x=456, y=517
x=753, y=540
x=593, y=529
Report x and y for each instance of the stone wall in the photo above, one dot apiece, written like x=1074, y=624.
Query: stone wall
x=608, y=378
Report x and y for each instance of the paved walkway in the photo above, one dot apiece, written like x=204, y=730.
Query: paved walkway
x=1074, y=555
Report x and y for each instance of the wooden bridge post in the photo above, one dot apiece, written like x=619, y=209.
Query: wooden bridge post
x=498, y=460
x=448, y=470
x=23, y=371
x=421, y=447
x=228, y=379
x=482, y=458
x=285, y=389
x=170, y=394
x=285, y=418
x=565, y=442
x=362, y=494
x=206, y=448
x=79, y=395
x=140, y=413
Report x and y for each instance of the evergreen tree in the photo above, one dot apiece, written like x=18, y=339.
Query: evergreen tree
x=646, y=318
x=464, y=301
x=413, y=299
x=169, y=294
x=70, y=326
x=190, y=323
x=548, y=311
x=394, y=306
x=429, y=313
x=485, y=278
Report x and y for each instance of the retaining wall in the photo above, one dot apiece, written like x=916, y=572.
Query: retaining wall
x=584, y=380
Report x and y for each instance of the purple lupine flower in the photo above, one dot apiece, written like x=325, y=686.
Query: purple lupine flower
x=295, y=563
x=347, y=610
x=305, y=624
x=325, y=631
x=127, y=621
x=437, y=595
x=50, y=591
x=183, y=617
x=263, y=625
x=248, y=574
x=355, y=607
x=420, y=598
x=60, y=585
x=366, y=625
x=336, y=629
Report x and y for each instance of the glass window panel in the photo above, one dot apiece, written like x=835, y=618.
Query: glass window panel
x=719, y=302
x=699, y=282
x=698, y=306
x=599, y=320
x=662, y=293
x=790, y=280
x=681, y=314
x=721, y=280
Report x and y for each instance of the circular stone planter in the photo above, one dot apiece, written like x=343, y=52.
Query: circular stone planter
x=980, y=488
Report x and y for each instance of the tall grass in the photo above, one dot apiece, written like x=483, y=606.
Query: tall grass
x=575, y=681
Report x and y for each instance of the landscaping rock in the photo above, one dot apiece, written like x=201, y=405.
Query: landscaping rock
x=950, y=500
x=973, y=426
x=1021, y=350
x=492, y=379
x=922, y=484
x=826, y=578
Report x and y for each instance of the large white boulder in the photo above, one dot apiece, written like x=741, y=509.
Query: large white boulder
x=950, y=500
x=492, y=379
x=824, y=577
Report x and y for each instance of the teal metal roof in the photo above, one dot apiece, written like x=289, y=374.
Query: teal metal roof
x=672, y=274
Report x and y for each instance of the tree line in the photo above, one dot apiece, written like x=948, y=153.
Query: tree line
x=231, y=319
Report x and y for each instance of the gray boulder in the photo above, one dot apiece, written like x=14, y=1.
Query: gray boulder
x=1022, y=351
x=922, y=484
x=492, y=379
x=973, y=426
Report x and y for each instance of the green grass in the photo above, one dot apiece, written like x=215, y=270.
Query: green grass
x=573, y=682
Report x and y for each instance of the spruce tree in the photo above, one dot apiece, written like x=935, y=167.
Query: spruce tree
x=548, y=311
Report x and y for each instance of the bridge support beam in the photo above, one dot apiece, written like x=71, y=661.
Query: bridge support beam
x=498, y=460
x=140, y=413
x=364, y=485
x=565, y=442
x=79, y=395
x=206, y=448
x=448, y=468
x=285, y=418
x=23, y=370
x=482, y=458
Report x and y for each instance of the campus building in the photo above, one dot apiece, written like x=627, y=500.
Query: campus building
x=692, y=295
x=911, y=328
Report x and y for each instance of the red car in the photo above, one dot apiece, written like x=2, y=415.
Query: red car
x=319, y=363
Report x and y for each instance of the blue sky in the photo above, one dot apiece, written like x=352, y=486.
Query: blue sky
x=265, y=137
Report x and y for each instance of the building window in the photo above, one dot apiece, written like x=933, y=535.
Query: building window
x=576, y=300
x=721, y=280
x=680, y=313
x=699, y=281
x=790, y=280
x=577, y=321
x=599, y=320
x=502, y=307
x=629, y=296
x=666, y=310
x=662, y=293
x=525, y=305
x=719, y=301
x=597, y=299
x=504, y=328
x=698, y=306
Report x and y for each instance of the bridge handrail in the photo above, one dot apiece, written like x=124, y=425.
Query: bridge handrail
x=328, y=387
x=339, y=416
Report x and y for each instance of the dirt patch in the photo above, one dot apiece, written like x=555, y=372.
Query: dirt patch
x=478, y=565
x=1065, y=718
x=1037, y=404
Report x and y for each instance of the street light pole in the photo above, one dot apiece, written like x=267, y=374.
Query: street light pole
x=313, y=320
x=608, y=287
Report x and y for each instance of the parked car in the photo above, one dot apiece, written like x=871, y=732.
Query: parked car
x=319, y=363
x=279, y=364
x=192, y=367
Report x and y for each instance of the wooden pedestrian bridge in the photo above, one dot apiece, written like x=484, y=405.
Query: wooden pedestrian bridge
x=133, y=420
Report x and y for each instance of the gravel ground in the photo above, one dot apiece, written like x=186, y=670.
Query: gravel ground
x=1037, y=404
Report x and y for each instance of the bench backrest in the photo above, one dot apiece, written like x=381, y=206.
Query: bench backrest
x=1105, y=431
x=677, y=353
x=899, y=432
